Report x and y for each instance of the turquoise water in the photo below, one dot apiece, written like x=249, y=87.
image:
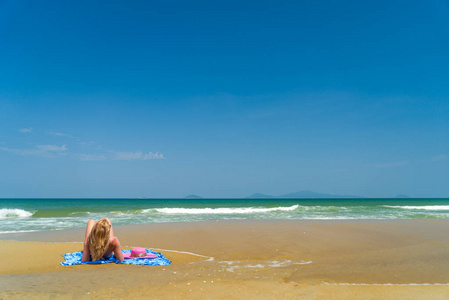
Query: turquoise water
x=22, y=215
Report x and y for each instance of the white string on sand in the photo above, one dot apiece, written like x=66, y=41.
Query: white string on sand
x=183, y=252
x=387, y=284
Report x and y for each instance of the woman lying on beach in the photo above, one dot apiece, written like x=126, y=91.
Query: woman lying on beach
x=100, y=241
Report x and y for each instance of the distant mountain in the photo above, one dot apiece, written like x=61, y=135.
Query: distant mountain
x=259, y=196
x=300, y=195
x=402, y=196
x=310, y=194
x=193, y=197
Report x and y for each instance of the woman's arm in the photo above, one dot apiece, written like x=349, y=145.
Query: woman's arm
x=117, y=248
x=86, y=251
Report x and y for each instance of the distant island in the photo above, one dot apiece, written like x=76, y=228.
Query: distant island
x=193, y=197
x=298, y=195
x=307, y=194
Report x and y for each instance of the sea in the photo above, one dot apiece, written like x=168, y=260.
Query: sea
x=28, y=215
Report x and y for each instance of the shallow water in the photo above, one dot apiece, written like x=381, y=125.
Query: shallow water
x=25, y=215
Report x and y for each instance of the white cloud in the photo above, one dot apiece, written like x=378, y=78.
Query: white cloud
x=127, y=155
x=51, y=148
x=151, y=155
x=55, y=150
x=39, y=150
x=55, y=133
x=25, y=130
x=137, y=155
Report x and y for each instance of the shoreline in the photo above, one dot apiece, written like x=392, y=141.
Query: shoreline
x=292, y=257
x=62, y=235
x=30, y=215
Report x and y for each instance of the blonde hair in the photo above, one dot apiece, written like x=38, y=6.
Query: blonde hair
x=99, y=238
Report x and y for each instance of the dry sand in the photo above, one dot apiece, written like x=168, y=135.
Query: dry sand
x=248, y=259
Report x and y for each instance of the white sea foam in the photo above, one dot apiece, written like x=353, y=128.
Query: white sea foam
x=17, y=231
x=118, y=213
x=222, y=210
x=80, y=213
x=422, y=207
x=286, y=262
x=14, y=213
x=232, y=265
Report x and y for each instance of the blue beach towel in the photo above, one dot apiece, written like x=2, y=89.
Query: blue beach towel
x=74, y=258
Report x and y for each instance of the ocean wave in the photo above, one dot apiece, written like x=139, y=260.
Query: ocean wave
x=80, y=213
x=422, y=207
x=221, y=210
x=324, y=208
x=121, y=213
x=17, y=231
x=14, y=213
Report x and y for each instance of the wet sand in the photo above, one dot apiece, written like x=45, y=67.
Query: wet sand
x=253, y=259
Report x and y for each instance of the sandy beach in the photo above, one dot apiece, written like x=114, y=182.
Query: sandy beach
x=246, y=259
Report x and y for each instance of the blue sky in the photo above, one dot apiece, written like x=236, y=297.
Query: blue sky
x=151, y=99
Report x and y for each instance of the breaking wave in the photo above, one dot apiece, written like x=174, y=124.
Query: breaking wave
x=14, y=213
x=422, y=207
x=222, y=210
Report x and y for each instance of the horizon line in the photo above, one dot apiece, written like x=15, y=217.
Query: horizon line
x=187, y=198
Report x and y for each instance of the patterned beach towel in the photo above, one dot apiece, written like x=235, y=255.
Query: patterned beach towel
x=74, y=258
